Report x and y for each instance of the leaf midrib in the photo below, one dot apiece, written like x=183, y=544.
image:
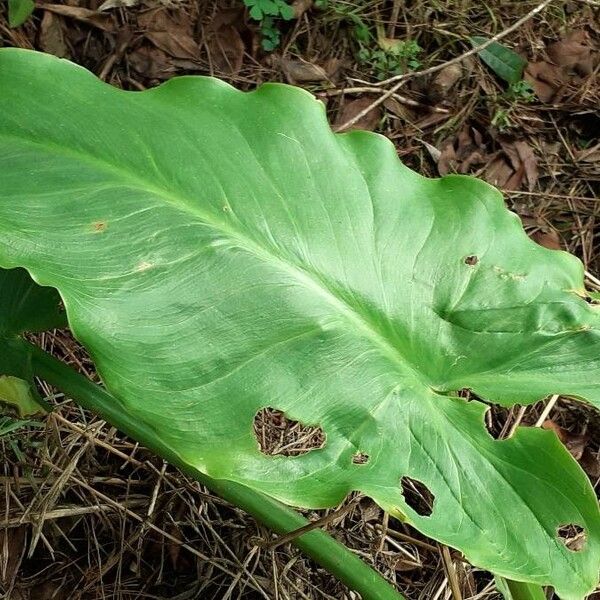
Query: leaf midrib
x=309, y=279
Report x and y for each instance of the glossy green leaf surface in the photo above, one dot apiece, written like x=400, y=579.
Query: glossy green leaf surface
x=220, y=252
x=24, y=307
x=19, y=11
x=506, y=63
x=27, y=306
x=18, y=393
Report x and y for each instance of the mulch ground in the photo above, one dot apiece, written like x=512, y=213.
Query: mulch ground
x=87, y=513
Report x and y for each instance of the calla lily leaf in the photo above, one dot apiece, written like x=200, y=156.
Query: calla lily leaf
x=221, y=252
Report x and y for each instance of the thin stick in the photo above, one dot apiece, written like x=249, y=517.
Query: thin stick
x=593, y=279
x=547, y=409
x=400, y=80
x=451, y=573
x=366, y=89
x=72, y=511
x=317, y=524
x=517, y=422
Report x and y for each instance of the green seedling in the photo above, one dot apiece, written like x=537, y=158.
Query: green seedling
x=267, y=12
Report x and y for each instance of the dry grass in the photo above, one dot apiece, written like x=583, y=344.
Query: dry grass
x=87, y=514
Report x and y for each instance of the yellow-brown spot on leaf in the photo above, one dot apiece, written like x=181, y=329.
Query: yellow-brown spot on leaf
x=99, y=226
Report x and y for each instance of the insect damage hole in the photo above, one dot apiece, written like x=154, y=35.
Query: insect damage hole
x=360, y=458
x=499, y=421
x=471, y=260
x=417, y=495
x=573, y=536
x=277, y=435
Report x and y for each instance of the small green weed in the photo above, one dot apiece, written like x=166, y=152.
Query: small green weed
x=501, y=119
x=267, y=12
x=383, y=56
x=518, y=92
x=10, y=428
x=521, y=91
x=394, y=59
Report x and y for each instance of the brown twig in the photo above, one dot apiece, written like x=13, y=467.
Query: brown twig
x=322, y=522
x=451, y=573
x=365, y=89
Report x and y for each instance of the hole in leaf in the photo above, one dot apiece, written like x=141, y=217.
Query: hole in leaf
x=573, y=536
x=360, y=458
x=466, y=393
x=471, y=260
x=498, y=421
x=593, y=300
x=417, y=495
x=279, y=436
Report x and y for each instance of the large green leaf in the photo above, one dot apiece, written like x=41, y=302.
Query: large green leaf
x=219, y=252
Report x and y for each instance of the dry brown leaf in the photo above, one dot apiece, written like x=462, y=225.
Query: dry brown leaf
x=511, y=152
x=397, y=108
x=431, y=120
x=575, y=444
x=152, y=63
x=516, y=179
x=353, y=107
x=228, y=16
x=549, y=239
x=224, y=41
x=433, y=151
x=463, y=152
x=570, y=59
x=471, y=150
x=447, y=161
x=498, y=172
x=226, y=49
x=529, y=161
x=177, y=46
x=170, y=32
x=300, y=71
x=52, y=37
x=369, y=511
x=590, y=463
x=523, y=162
x=85, y=15
x=334, y=67
x=573, y=52
x=546, y=79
